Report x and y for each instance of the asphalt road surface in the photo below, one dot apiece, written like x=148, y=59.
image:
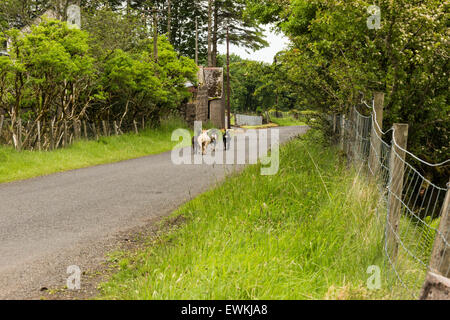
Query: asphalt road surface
x=52, y=222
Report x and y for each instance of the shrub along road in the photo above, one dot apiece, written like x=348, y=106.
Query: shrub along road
x=52, y=222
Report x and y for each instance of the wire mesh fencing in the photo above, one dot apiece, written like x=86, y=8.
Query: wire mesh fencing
x=413, y=210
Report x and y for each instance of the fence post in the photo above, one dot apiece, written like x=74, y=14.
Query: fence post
x=397, y=172
x=116, y=130
x=348, y=119
x=334, y=123
x=436, y=287
x=65, y=134
x=343, y=140
x=76, y=130
x=2, y=119
x=85, y=130
x=351, y=135
x=95, y=131
x=52, y=137
x=105, y=130
x=440, y=258
x=39, y=135
x=375, y=143
x=19, y=135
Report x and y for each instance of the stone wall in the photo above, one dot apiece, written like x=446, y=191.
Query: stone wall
x=213, y=78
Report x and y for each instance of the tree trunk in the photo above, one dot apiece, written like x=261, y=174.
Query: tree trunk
x=196, y=41
x=155, y=35
x=169, y=20
x=215, y=37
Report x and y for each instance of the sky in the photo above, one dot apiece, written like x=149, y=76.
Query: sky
x=277, y=43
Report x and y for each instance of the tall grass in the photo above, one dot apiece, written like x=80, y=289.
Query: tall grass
x=309, y=232
x=27, y=164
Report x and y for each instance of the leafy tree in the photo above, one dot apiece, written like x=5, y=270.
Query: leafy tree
x=130, y=86
x=125, y=32
x=335, y=55
x=54, y=75
x=48, y=76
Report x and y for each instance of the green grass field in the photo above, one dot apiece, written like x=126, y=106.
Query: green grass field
x=309, y=232
x=28, y=164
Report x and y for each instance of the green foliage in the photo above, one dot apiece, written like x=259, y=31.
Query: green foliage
x=334, y=56
x=109, y=30
x=247, y=82
x=261, y=86
x=63, y=78
x=52, y=65
x=175, y=72
x=129, y=79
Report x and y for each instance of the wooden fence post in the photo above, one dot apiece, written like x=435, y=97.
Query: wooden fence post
x=397, y=172
x=65, y=134
x=351, y=135
x=334, y=123
x=135, y=127
x=39, y=135
x=95, y=131
x=334, y=137
x=52, y=138
x=19, y=135
x=375, y=143
x=347, y=134
x=85, y=130
x=2, y=119
x=436, y=287
x=76, y=130
x=440, y=258
x=343, y=138
x=105, y=130
x=116, y=130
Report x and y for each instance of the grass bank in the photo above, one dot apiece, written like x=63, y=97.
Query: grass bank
x=28, y=164
x=309, y=232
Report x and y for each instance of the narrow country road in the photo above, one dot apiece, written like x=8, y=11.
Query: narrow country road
x=52, y=222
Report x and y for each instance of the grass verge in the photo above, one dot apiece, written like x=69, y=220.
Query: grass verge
x=287, y=122
x=28, y=164
x=309, y=232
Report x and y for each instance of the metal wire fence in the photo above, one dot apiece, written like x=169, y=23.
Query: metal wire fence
x=411, y=206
